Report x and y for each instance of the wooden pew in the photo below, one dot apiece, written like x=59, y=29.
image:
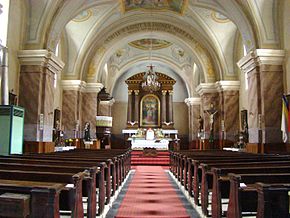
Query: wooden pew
x=74, y=193
x=273, y=200
x=244, y=198
x=220, y=182
x=114, y=167
x=44, y=196
x=80, y=154
x=195, y=173
x=89, y=187
x=100, y=184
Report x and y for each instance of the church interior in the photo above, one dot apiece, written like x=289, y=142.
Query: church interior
x=108, y=104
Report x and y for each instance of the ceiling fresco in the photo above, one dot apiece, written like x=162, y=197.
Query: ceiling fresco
x=83, y=16
x=177, y=6
x=154, y=44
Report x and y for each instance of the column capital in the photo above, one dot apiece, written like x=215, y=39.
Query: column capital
x=203, y=88
x=164, y=92
x=224, y=85
x=130, y=92
x=93, y=87
x=170, y=92
x=79, y=85
x=261, y=57
x=136, y=92
x=192, y=101
x=42, y=58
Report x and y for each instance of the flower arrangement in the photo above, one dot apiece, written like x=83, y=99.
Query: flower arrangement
x=69, y=142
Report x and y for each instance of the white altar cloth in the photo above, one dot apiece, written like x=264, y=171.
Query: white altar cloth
x=62, y=148
x=139, y=144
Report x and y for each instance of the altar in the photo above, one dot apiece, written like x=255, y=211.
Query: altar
x=141, y=143
x=140, y=139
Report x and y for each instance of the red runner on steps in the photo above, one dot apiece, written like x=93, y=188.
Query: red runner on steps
x=151, y=194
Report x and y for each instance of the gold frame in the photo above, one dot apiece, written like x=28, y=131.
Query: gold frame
x=141, y=111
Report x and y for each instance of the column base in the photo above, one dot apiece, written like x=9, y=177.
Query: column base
x=38, y=147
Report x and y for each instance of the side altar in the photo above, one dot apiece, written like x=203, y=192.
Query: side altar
x=138, y=139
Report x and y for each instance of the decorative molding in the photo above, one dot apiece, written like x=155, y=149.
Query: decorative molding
x=82, y=86
x=203, y=88
x=43, y=58
x=224, y=85
x=93, y=87
x=261, y=57
x=192, y=101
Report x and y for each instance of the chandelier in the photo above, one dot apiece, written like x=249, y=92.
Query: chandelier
x=150, y=83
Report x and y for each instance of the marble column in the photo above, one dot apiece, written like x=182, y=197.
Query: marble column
x=129, y=108
x=163, y=106
x=229, y=111
x=36, y=92
x=209, y=95
x=193, y=123
x=72, y=97
x=136, y=106
x=89, y=106
x=170, y=106
x=264, y=68
x=4, y=75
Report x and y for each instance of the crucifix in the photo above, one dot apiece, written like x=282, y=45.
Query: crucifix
x=211, y=112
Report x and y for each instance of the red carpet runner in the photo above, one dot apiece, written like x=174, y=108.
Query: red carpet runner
x=161, y=159
x=151, y=195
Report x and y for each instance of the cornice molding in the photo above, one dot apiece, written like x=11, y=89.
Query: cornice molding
x=203, y=88
x=42, y=58
x=82, y=86
x=261, y=57
x=192, y=101
x=225, y=85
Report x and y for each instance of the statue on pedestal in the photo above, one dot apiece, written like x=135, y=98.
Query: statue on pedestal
x=200, y=127
x=87, y=136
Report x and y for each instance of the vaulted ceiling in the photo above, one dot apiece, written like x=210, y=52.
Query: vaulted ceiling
x=198, y=40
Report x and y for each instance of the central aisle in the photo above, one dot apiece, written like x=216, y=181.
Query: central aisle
x=151, y=194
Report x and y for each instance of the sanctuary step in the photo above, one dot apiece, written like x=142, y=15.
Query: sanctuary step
x=140, y=158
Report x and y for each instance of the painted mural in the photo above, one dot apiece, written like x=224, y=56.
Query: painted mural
x=154, y=44
x=177, y=6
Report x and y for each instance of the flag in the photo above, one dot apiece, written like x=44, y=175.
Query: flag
x=284, y=120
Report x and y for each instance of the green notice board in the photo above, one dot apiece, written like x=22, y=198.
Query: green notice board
x=11, y=129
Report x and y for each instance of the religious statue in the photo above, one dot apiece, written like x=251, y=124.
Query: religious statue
x=200, y=121
x=211, y=112
x=87, y=136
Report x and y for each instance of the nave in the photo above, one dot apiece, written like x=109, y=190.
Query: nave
x=103, y=183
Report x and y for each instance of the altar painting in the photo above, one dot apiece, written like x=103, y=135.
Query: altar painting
x=150, y=111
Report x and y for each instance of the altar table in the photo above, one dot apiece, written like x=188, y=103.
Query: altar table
x=159, y=144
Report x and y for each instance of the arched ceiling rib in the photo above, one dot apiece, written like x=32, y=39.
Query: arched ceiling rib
x=209, y=41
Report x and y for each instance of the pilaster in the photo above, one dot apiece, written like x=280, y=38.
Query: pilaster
x=264, y=68
x=193, y=104
x=229, y=111
x=36, y=92
x=79, y=106
x=209, y=95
